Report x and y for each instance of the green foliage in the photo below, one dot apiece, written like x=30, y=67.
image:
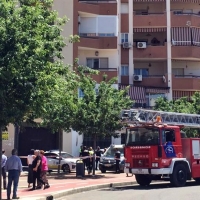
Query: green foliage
x=98, y=111
x=181, y=105
x=30, y=58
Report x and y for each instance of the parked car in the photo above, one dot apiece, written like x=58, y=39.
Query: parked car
x=107, y=161
x=67, y=161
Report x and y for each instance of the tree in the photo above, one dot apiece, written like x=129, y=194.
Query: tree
x=30, y=58
x=181, y=105
x=98, y=111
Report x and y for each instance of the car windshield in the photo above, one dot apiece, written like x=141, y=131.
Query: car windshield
x=142, y=136
x=66, y=155
x=111, y=152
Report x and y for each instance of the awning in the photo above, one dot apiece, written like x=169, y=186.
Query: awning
x=157, y=90
x=187, y=1
x=195, y=36
x=136, y=93
x=149, y=30
x=148, y=0
x=176, y=94
x=181, y=36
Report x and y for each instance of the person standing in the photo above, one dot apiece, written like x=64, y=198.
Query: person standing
x=117, y=160
x=30, y=159
x=36, y=165
x=14, y=168
x=3, y=163
x=44, y=169
x=98, y=155
x=90, y=166
x=85, y=156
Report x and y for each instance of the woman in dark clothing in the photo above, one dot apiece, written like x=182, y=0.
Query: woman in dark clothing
x=37, y=169
x=30, y=159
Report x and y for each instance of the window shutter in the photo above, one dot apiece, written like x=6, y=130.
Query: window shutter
x=103, y=62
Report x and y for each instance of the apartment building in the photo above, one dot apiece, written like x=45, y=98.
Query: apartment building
x=151, y=45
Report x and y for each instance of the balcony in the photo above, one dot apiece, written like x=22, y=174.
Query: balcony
x=149, y=20
x=110, y=72
x=180, y=19
x=150, y=52
x=186, y=52
x=152, y=81
x=97, y=7
x=98, y=42
x=191, y=83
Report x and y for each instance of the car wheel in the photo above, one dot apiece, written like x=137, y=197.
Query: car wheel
x=66, y=168
x=103, y=171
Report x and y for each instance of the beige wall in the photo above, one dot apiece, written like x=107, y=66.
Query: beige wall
x=110, y=54
x=186, y=6
x=151, y=7
x=157, y=68
x=65, y=8
x=190, y=67
x=8, y=145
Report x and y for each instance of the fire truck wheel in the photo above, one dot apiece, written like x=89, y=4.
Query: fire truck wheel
x=143, y=180
x=179, y=176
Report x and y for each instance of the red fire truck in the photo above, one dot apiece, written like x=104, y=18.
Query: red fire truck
x=157, y=149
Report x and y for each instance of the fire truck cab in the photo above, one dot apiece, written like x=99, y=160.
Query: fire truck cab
x=161, y=152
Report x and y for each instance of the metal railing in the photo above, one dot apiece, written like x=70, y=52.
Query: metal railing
x=96, y=0
x=186, y=76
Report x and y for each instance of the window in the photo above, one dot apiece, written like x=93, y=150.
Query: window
x=124, y=70
x=143, y=72
x=96, y=63
x=80, y=93
x=170, y=135
x=124, y=37
x=178, y=71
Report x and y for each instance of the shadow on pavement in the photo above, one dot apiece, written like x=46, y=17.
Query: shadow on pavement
x=153, y=186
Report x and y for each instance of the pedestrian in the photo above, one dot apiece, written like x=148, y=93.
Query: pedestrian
x=36, y=165
x=14, y=168
x=30, y=159
x=90, y=166
x=44, y=169
x=98, y=155
x=85, y=156
x=81, y=151
x=117, y=160
x=3, y=163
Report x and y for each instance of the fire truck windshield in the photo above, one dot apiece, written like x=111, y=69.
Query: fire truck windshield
x=142, y=136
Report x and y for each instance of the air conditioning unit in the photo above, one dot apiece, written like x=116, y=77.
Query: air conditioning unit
x=141, y=45
x=127, y=45
x=137, y=77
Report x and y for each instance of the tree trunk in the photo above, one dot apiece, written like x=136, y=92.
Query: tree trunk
x=94, y=147
x=16, y=140
x=60, y=149
x=0, y=161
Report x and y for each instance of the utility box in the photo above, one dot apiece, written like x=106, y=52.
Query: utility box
x=80, y=170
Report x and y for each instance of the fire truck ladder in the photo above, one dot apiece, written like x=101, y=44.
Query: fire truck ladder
x=170, y=118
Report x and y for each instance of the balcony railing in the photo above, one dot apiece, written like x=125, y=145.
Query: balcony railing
x=96, y=35
x=186, y=76
x=96, y=0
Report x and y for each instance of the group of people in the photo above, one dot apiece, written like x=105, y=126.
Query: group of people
x=87, y=155
x=38, y=167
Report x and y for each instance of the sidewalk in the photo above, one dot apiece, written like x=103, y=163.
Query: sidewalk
x=64, y=184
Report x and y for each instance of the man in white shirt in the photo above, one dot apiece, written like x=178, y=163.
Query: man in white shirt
x=3, y=163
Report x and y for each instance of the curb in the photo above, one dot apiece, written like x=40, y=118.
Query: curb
x=84, y=189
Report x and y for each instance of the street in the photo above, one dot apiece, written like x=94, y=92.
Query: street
x=161, y=191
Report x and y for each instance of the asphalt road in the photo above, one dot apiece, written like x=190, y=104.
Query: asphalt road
x=156, y=191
